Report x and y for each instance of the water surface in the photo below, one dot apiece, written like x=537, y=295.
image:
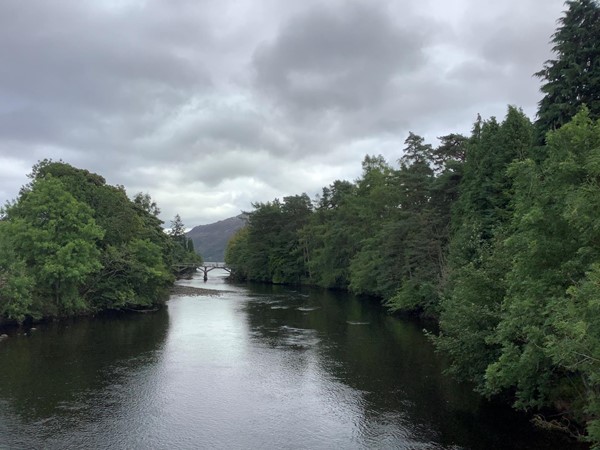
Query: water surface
x=258, y=367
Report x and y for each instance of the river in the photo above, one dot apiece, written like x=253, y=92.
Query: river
x=259, y=367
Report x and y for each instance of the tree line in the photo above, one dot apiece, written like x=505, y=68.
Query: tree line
x=72, y=244
x=496, y=235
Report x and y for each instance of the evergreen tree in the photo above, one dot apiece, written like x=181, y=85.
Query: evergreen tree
x=335, y=234
x=377, y=197
x=177, y=230
x=547, y=334
x=478, y=258
x=182, y=252
x=145, y=202
x=272, y=247
x=236, y=254
x=573, y=77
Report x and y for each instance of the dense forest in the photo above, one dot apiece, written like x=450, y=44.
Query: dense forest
x=72, y=244
x=496, y=235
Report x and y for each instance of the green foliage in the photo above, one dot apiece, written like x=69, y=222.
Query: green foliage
x=496, y=237
x=177, y=231
x=56, y=236
x=502, y=245
x=133, y=274
x=573, y=78
x=416, y=238
x=72, y=244
x=383, y=235
x=16, y=284
x=574, y=346
x=546, y=336
x=478, y=258
x=523, y=274
x=271, y=248
x=182, y=248
x=334, y=234
x=145, y=203
x=236, y=253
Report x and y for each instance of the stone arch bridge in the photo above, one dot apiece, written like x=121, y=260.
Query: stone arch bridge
x=204, y=268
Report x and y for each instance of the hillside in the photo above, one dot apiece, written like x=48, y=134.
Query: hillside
x=211, y=240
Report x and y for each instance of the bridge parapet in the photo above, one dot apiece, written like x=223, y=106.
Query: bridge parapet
x=208, y=266
x=216, y=265
x=205, y=267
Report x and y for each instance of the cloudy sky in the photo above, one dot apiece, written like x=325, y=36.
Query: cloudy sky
x=209, y=105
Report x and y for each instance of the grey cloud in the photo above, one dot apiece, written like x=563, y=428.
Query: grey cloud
x=358, y=72
x=28, y=124
x=337, y=58
x=64, y=56
x=510, y=47
x=219, y=128
x=69, y=67
x=216, y=170
x=210, y=106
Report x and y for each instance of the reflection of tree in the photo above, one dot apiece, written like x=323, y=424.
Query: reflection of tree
x=67, y=363
x=387, y=362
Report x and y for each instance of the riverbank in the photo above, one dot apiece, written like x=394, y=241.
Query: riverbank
x=189, y=291
x=176, y=290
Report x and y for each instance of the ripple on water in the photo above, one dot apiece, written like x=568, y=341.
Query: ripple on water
x=298, y=338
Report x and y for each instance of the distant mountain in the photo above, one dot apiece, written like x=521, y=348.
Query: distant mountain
x=211, y=240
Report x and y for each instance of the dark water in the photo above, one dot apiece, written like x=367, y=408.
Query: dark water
x=258, y=367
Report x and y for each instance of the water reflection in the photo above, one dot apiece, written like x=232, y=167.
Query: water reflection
x=259, y=367
x=392, y=377
x=62, y=378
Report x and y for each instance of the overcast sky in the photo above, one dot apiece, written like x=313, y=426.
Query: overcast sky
x=209, y=105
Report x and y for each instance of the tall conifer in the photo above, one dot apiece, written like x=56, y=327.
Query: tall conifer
x=573, y=77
